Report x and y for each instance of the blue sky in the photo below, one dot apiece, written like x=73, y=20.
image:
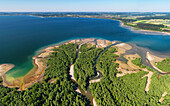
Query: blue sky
x=85, y=5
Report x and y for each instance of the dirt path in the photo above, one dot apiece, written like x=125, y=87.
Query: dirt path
x=72, y=72
x=163, y=95
x=94, y=102
x=124, y=72
x=95, y=80
x=149, y=75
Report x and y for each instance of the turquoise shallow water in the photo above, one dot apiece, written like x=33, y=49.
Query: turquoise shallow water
x=22, y=36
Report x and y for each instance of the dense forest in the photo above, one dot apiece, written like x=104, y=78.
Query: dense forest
x=138, y=62
x=127, y=20
x=86, y=47
x=84, y=67
x=106, y=62
x=154, y=17
x=130, y=89
x=150, y=26
x=146, y=26
x=111, y=90
x=164, y=65
x=61, y=92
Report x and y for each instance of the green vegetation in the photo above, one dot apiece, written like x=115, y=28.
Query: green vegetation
x=70, y=50
x=85, y=66
x=164, y=65
x=60, y=93
x=157, y=86
x=106, y=62
x=111, y=90
x=86, y=47
x=150, y=26
x=0, y=80
x=130, y=89
x=154, y=17
x=138, y=62
x=3, y=90
x=126, y=90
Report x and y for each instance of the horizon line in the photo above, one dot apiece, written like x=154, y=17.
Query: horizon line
x=82, y=12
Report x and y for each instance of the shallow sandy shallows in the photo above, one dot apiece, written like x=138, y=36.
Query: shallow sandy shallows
x=37, y=73
x=4, y=68
x=126, y=68
x=122, y=48
x=153, y=59
x=150, y=73
x=129, y=67
x=88, y=40
x=103, y=43
x=33, y=76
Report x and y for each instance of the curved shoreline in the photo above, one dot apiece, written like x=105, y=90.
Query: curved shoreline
x=34, y=75
x=46, y=50
x=37, y=73
x=152, y=59
x=143, y=31
x=80, y=38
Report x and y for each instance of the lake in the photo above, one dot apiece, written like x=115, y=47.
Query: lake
x=22, y=36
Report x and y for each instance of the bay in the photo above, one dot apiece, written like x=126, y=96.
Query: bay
x=22, y=36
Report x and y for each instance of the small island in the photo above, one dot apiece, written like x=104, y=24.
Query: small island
x=89, y=72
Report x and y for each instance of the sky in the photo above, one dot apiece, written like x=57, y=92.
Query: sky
x=84, y=5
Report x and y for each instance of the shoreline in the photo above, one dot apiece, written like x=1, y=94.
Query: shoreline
x=137, y=30
x=18, y=82
x=37, y=73
x=143, y=31
x=33, y=76
x=38, y=54
x=152, y=59
x=42, y=53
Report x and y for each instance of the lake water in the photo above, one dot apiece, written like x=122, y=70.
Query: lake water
x=22, y=36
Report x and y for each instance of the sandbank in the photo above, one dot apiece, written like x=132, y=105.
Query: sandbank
x=153, y=59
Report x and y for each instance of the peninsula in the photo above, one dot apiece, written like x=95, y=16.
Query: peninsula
x=89, y=72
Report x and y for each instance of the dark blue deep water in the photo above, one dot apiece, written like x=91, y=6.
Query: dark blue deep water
x=21, y=36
